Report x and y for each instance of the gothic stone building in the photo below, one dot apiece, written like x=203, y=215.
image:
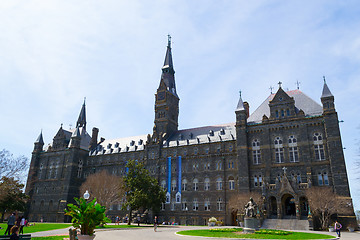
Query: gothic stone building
x=288, y=144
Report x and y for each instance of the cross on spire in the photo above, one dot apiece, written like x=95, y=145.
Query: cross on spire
x=169, y=40
x=279, y=84
x=298, y=84
x=271, y=88
x=240, y=93
x=284, y=169
x=324, y=79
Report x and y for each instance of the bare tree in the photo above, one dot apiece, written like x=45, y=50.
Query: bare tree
x=323, y=203
x=13, y=167
x=238, y=202
x=106, y=188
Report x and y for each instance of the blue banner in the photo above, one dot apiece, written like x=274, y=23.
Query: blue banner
x=179, y=174
x=169, y=174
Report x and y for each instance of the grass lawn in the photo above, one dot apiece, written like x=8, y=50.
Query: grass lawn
x=51, y=238
x=262, y=234
x=39, y=227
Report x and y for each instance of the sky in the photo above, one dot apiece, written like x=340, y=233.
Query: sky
x=55, y=53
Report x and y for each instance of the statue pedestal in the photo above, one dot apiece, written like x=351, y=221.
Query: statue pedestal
x=251, y=224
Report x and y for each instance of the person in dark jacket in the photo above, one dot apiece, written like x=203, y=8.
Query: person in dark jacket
x=10, y=223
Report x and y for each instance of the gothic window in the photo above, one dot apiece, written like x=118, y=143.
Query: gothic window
x=184, y=205
x=178, y=198
x=277, y=114
x=163, y=184
x=185, y=152
x=218, y=165
x=219, y=204
x=184, y=185
x=279, y=150
x=282, y=113
x=218, y=149
x=258, y=182
x=207, y=204
x=231, y=183
x=206, y=166
x=319, y=147
x=40, y=170
x=256, y=152
x=195, y=151
x=323, y=179
x=219, y=184
x=173, y=185
x=293, y=149
x=230, y=148
x=287, y=112
x=230, y=165
x=50, y=171
x=195, y=184
x=207, y=184
x=206, y=150
x=80, y=168
x=195, y=204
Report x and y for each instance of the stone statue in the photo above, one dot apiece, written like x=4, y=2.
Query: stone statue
x=250, y=208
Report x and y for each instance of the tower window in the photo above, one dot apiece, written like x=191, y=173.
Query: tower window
x=279, y=150
x=319, y=147
x=256, y=152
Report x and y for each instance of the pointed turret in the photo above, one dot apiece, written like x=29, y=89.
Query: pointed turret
x=75, y=139
x=39, y=143
x=240, y=105
x=168, y=72
x=327, y=99
x=81, y=122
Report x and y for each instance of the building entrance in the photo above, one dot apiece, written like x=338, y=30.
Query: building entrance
x=289, y=209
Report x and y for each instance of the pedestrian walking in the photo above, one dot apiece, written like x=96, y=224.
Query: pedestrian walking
x=155, y=223
x=22, y=224
x=138, y=220
x=14, y=233
x=337, y=227
x=10, y=223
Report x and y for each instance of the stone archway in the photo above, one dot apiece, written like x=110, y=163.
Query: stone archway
x=288, y=206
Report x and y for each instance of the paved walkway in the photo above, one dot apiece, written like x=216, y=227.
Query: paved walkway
x=163, y=233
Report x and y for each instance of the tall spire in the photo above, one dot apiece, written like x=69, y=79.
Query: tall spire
x=168, y=71
x=40, y=139
x=240, y=106
x=82, y=117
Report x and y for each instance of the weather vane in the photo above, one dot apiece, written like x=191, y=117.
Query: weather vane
x=271, y=88
x=279, y=84
x=298, y=84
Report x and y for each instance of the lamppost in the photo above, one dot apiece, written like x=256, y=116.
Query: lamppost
x=186, y=209
x=86, y=195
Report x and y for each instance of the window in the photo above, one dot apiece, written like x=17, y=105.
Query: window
x=184, y=205
x=219, y=204
x=230, y=148
x=319, y=147
x=282, y=113
x=323, y=179
x=207, y=204
x=287, y=112
x=258, y=180
x=163, y=184
x=206, y=150
x=185, y=152
x=80, y=166
x=256, y=152
x=230, y=165
x=40, y=170
x=219, y=184
x=279, y=150
x=195, y=204
x=195, y=184
x=195, y=151
x=293, y=149
x=206, y=166
x=184, y=185
x=173, y=185
x=218, y=165
x=277, y=114
x=207, y=184
x=231, y=183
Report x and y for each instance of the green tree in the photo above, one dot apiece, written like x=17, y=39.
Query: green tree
x=142, y=190
x=11, y=196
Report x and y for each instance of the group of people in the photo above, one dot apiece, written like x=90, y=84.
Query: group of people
x=15, y=226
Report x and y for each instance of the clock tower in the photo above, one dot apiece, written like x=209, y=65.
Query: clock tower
x=166, y=100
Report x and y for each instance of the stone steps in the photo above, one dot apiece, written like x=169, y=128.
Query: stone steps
x=286, y=224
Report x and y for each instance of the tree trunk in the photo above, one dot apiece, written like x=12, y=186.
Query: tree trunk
x=130, y=217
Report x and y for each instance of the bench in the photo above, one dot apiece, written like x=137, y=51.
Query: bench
x=21, y=237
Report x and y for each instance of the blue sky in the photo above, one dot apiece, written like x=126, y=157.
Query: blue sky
x=55, y=53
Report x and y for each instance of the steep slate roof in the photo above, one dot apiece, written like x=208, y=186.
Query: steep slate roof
x=216, y=133
x=308, y=105
x=119, y=145
x=326, y=91
x=85, y=138
x=40, y=139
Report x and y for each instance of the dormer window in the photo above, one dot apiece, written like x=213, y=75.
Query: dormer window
x=211, y=133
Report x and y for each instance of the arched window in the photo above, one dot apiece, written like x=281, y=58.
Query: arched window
x=219, y=204
x=184, y=185
x=219, y=184
x=256, y=151
x=195, y=204
x=207, y=204
x=163, y=184
x=184, y=205
x=173, y=185
x=258, y=180
x=50, y=171
x=279, y=150
x=41, y=170
x=231, y=183
x=207, y=184
x=218, y=165
x=293, y=149
x=80, y=167
x=319, y=147
x=323, y=178
x=195, y=184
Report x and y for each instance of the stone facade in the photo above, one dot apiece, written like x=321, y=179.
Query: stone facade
x=290, y=143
